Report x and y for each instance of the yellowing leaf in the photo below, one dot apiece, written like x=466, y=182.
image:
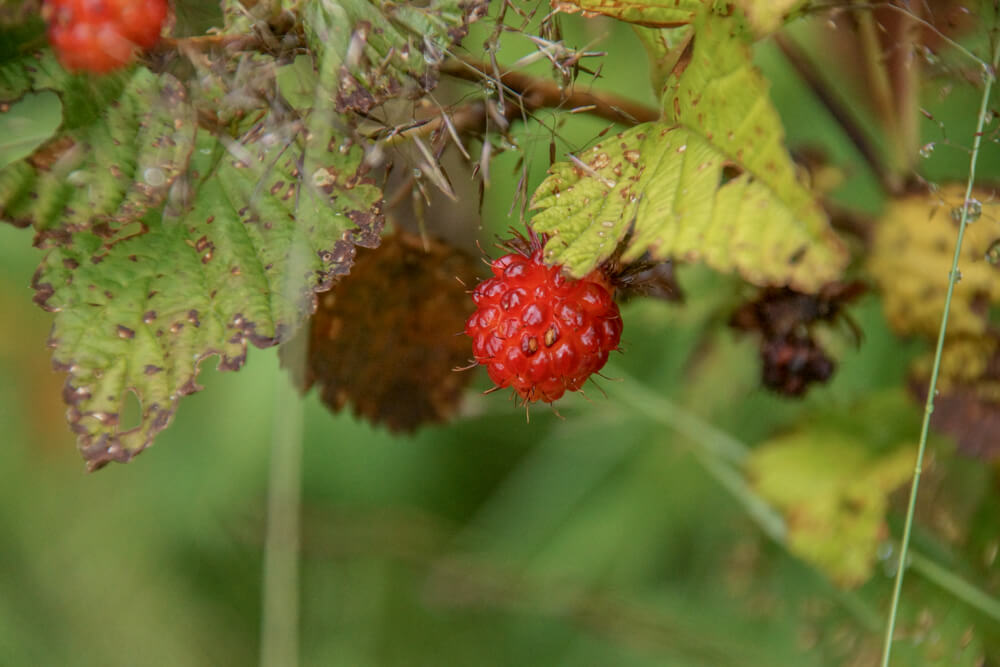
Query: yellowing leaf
x=722, y=97
x=911, y=257
x=713, y=183
x=651, y=13
x=833, y=492
x=667, y=179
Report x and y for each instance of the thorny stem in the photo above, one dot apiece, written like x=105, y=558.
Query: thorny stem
x=537, y=93
x=990, y=76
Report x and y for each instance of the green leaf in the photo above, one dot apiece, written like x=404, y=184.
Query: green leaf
x=664, y=47
x=27, y=124
x=84, y=98
x=270, y=224
x=375, y=50
x=105, y=174
x=833, y=490
x=650, y=13
x=169, y=243
x=712, y=183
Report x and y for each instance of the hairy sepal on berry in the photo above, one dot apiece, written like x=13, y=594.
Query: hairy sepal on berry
x=539, y=332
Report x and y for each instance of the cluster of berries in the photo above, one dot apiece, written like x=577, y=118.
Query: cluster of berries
x=539, y=332
x=102, y=35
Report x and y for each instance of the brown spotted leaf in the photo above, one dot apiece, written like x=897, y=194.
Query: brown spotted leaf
x=384, y=341
x=251, y=230
x=377, y=50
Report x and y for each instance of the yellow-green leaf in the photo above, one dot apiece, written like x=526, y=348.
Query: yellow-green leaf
x=833, y=491
x=714, y=183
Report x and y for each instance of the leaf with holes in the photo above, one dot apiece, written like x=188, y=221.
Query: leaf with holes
x=712, y=182
x=378, y=50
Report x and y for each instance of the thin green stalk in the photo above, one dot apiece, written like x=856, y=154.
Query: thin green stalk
x=958, y=587
x=279, y=621
x=990, y=75
x=657, y=408
x=279, y=641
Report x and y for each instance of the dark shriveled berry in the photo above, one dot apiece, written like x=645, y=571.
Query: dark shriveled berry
x=540, y=332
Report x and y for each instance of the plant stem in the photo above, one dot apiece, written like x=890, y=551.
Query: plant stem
x=955, y=585
x=535, y=93
x=878, y=77
x=714, y=440
x=990, y=76
x=279, y=643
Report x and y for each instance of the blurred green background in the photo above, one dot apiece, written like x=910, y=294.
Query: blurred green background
x=597, y=539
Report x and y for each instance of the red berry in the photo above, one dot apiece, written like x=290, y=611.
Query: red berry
x=540, y=332
x=102, y=35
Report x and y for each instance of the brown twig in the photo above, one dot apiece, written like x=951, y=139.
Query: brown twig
x=838, y=109
x=538, y=93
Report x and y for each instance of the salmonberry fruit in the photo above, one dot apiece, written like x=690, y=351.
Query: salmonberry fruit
x=538, y=331
x=102, y=35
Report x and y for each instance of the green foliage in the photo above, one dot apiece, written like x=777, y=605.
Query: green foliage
x=108, y=173
x=178, y=227
x=139, y=311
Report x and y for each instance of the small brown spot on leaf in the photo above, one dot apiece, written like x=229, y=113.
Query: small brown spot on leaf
x=125, y=332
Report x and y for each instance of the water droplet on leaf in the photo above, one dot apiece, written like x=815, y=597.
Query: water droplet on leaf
x=993, y=253
x=154, y=176
x=973, y=210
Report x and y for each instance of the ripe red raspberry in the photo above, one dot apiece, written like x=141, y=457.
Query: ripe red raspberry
x=102, y=35
x=538, y=331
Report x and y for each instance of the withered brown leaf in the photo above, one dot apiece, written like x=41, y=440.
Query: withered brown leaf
x=384, y=339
